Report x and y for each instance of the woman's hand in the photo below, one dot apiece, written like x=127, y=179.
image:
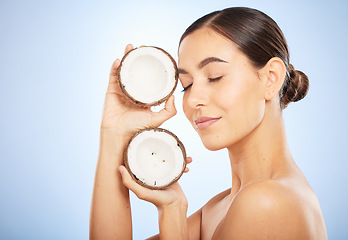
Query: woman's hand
x=170, y=202
x=124, y=116
x=173, y=195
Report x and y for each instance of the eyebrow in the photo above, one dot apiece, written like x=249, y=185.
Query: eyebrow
x=210, y=60
x=203, y=63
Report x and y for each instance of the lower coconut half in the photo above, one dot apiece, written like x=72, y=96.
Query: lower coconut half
x=155, y=158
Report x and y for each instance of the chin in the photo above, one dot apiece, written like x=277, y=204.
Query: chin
x=218, y=142
x=213, y=145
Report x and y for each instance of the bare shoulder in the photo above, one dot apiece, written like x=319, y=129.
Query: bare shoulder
x=196, y=220
x=270, y=210
x=217, y=198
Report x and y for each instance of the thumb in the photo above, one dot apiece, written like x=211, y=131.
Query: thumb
x=167, y=112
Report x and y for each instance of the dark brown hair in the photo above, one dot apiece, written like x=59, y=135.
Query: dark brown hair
x=259, y=37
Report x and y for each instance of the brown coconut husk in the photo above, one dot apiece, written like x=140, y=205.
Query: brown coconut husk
x=139, y=103
x=180, y=145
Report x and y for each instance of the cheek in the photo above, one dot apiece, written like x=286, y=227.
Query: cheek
x=186, y=108
x=245, y=107
x=184, y=104
x=248, y=93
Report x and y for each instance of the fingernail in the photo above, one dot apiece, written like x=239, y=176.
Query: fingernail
x=120, y=169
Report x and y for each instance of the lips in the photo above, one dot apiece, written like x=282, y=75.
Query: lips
x=204, y=122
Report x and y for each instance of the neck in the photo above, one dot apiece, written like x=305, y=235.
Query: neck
x=263, y=154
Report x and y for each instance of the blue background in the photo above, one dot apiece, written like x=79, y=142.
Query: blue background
x=55, y=58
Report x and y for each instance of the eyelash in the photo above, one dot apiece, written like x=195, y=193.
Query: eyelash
x=214, y=79
x=209, y=80
x=185, y=88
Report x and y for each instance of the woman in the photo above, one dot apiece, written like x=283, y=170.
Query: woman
x=235, y=71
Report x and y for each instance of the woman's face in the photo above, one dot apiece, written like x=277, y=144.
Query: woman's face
x=224, y=96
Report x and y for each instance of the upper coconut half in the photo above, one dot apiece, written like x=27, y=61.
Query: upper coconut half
x=148, y=75
x=155, y=158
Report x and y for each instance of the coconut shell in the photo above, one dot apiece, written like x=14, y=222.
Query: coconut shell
x=139, y=103
x=180, y=145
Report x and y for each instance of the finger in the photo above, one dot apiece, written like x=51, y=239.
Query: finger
x=167, y=112
x=128, y=48
x=116, y=64
x=186, y=170
x=189, y=160
x=132, y=185
x=113, y=71
x=113, y=87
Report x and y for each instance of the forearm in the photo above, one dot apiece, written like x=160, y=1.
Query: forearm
x=110, y=208
x=173, y=222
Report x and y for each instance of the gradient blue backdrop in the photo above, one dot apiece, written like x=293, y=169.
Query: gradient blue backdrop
x=55, y=58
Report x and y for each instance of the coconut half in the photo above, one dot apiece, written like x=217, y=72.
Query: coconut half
x=148, y=75
x=155, y=158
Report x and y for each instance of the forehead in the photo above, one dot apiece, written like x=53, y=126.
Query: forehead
x=204, y=43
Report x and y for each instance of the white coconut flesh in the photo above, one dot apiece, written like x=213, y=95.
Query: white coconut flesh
x=148, y=75
x=156, y=158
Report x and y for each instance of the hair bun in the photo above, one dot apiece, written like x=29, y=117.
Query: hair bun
x=297, y=86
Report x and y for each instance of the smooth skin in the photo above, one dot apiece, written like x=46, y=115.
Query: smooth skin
x=110, y=208
x=269, y=197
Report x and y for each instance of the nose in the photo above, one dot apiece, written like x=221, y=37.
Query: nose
x=197, y=96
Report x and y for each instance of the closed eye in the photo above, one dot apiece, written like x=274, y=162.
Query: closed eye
x=209, y=80
x=185, y=88
x=214, y=79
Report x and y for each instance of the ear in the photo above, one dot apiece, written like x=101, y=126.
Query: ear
x=273, y=75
